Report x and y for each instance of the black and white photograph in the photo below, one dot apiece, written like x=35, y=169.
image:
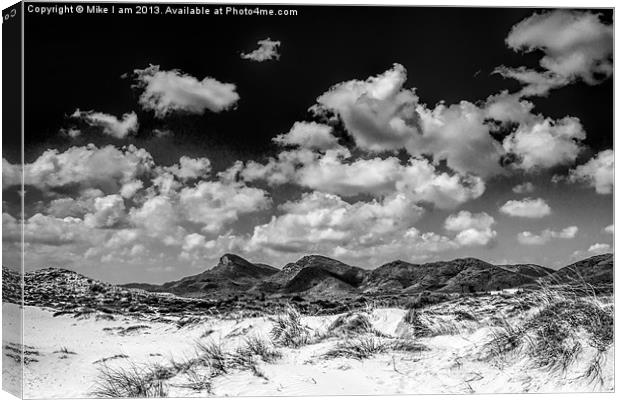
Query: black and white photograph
x=225, y=200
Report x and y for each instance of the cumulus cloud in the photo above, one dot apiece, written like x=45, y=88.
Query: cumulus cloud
x=108, y=211
x=576, y=45
x=377, y=112
x=44, y=230
x=267, y=50
x=167, y=92
x=459, y=135
x=88, y=167
x=529, y=238
x=381, y=115
x=308, y=135
x=609, y=229
x=598, y=172
x=525, y=187
x=11, y=174
x=77, y=207
x=545, y=143
x=331, y=172
x=473, y=229
x=526, y=208
x=190, y=168
x=599, y=248
x=319, y=219
x=110, y=125
x=214, y=204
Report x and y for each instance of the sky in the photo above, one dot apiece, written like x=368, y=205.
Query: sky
x=155, y=144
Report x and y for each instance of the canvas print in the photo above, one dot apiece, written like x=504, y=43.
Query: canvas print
x=289, y=200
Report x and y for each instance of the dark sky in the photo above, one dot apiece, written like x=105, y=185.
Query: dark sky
x=76, y=61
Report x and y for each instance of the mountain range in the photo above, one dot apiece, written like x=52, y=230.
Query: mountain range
x=316, y=276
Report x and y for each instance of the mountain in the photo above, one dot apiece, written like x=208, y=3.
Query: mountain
x=70, y=292
x=459, y=275
x=231, y=274
x=313, y=277
x=594, y=270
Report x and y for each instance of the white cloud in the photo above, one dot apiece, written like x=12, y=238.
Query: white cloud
x=108, y=211
x=598, y=172
x=11, y=174
x=576, y=45
x=609, y=229
x=166, y=92
x=267, y=50
x=45, y=230
x=529, y=238
x=190, y=168
x=332, y=173
x=377, y=112
x=215, y=204
x=473, y=229
x=308, y=135
x=193, y=241
x=545, y=143
x=129, y=189
x=157, y=217
x=106, y=168
x=74, y=207
x=599, y=248
x=525, y=187
x=526, y=208
x=320, y=221
x=111, y=125
x=459, y=135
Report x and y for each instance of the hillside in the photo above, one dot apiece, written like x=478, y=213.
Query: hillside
x=594, y=270
x=313, y=277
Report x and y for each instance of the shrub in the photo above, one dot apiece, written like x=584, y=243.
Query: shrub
x=288, y=329
x=426, y=298
x=358, y=348
x=130, y=382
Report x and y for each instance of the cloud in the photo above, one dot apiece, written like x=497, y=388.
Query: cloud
x=44, y=230
x=378, y=113
x=74, y=207
x=308, y=135
x=598, y=172
x=215, y=204
x=599, y=248
x=526, y=208
x=525, y=187
x=267, y=50
x=529, y=238
x=545, y=143
x=167, y=92
x=576, y=45
x=319, y=220
x=460, y=135
x=11, y=174
x=111, y=125
x=535, y=83
x=473, y=229
x=108, y=211
x=88, y=167
x=331, y=172
x=609, y=229
x=190, y=168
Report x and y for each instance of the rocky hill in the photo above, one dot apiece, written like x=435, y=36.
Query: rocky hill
x=316, y=276
x=235, y=283
x=231, y=274
x=594, y=270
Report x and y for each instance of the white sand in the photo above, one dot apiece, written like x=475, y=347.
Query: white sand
x=449, y=366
